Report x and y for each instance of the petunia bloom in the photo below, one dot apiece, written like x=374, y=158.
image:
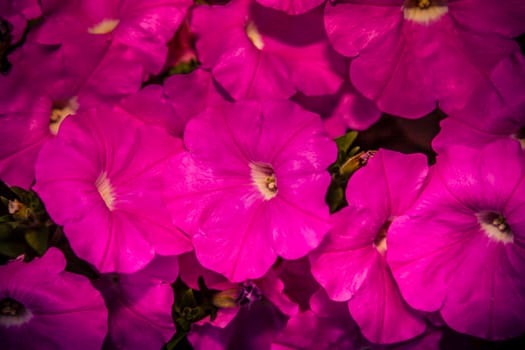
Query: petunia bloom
x=460, y=249
x=357, y=245
x=180, y=98
x=44, y=307
x=254, y=308
x=411, y=54
x=253, y=328
x=251, y=186
x=235, y=296
x=141, y=28
x=327, y=325
x=41, y=90
x=260, y=53
x=101, y=179
x=494, y=112
x=140, y=305
x=347, y=109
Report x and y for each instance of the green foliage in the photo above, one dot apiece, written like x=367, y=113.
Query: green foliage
x=25, y=227
x=183, y=67
x=350, y=158
x=190, y=306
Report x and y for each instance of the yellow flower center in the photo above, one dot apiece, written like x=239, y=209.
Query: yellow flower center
x=13, y=313
x=495, y=227
x=263, y=178
x=424, y=11
x=253, y=34
x=104, y=27
x=60, y=111
x=380, y=240
x=105, y=189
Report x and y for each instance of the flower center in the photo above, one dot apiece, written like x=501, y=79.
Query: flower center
x=104, y=27
x=13, y=313
x=380, y=240
x=263, y=178
x=249, y=294
x=495, y=227
x=253, y=34
x=106, y=190
x=244, y=294
x=60, y=111
x=424, y=11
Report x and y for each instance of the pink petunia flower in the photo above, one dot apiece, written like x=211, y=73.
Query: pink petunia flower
x=412, y=54
x=239, y=303
x=235, y=296
x=41, y=90
x=101, y=179
x=141, y=27
x=350, y=263
x=347, y=109
x=292, y=7
x=256, y=52
x=327, y=325
x=494, y=112
x=252, y=186
x=460, y=249
x=44, y=307
x=140, y=305
x=253, y=328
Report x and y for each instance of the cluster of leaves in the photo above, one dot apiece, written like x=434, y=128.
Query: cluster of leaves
x=25, y=226
x=349, y=159
x=190, y=306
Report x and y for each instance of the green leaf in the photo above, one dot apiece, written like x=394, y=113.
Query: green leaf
x=12, y=249
x=37, y=239
x=184, y=67
x=344, y=142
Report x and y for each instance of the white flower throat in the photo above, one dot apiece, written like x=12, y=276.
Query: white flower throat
x=264, y=179
x=424, y=11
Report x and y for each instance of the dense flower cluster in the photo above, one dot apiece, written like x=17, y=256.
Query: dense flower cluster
x=203, y=186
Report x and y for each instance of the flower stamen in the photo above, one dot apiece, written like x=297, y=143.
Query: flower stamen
x=254, y=36
x=495, y=227
x=105, y=189
x=424, y=11
x=13, y=313
x=264, y=179
x=60, y=112
x=380, y=240
x=104, y=27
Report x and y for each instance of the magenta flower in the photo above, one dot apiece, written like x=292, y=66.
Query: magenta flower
x=17, y=13
x=44, y=307
x=140, y=27
x=299, y=284
x=491, y=114
x=252, y=186
x=292, y=7
x=181, y=97
x=256, y=52
x=140, y=305
x=358, y=243
x=345, y=109
x=101, y=179
x=235, y=296
x=327, y=326
x=41, y=90
x=411, y=54
x=460, y=249
x=253, y=328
